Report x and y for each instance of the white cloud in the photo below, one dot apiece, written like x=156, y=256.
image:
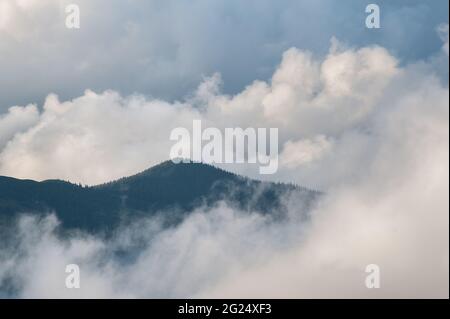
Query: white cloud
x=298, y=153
x=394, y=213
x=16, y=120
x=99, y=137
x=162, y=49
x=395, y=216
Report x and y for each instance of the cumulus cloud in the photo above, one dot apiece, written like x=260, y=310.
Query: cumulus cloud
x=393, y=213
x=298, y=153
x=118, y=134
x=162, y=49
x=102, y=136
x=319, y=104
x=16, y=120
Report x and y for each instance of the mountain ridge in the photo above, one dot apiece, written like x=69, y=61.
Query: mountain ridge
x=178, y=188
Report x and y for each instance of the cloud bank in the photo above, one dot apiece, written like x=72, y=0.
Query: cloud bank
x=332, y=114
x=395, y=218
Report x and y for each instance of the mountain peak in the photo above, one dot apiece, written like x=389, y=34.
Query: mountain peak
x=166, y=187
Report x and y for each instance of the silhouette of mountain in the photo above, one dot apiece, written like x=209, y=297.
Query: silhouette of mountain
x=172, y=190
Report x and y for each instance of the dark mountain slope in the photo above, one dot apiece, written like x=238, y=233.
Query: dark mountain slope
x=177, y=188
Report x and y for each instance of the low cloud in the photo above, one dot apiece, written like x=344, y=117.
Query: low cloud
x=395, y=218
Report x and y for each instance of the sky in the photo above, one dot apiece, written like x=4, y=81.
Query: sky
x=163, y=49
x=362, y=115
